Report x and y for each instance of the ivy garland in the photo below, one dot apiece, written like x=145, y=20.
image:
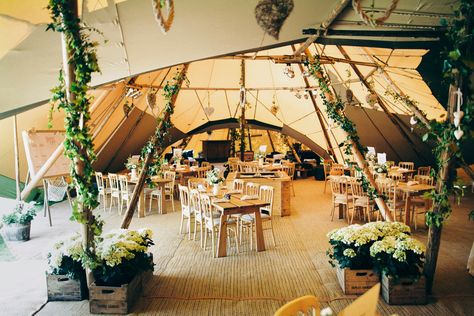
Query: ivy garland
x=335, y=111
x=164, y=124
x=78, y=142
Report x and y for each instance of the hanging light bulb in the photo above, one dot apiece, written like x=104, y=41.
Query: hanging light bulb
x=413, y=120
x=306, y=94
x=289, y=71
x=298, y=94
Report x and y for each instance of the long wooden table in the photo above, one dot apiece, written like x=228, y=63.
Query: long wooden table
x=411, y=190
x=236, y=206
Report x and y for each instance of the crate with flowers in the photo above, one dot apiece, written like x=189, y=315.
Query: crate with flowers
x=66, y=277
x=121, y=266
x=350, y=253
x=399, y=259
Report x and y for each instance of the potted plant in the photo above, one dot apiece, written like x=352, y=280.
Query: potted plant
x=119, y=265
x=350, y=253
x=213, y=178
x=18, y=222
x=400, y=260
x=66, y=277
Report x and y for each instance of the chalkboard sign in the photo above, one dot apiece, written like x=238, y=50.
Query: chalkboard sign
x=39, y=145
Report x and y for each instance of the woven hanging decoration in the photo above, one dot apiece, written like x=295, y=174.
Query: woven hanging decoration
x=271, y=14
x=370, y=20
x=151, y=99
x=165, y=21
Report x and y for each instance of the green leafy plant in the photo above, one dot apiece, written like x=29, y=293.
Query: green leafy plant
x=22, y=214
x=66, y=257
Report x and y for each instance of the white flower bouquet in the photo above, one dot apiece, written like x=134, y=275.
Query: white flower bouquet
x=131, y=164
x=66, y=257
x=398, y=256
x=381, y=168
x=120, y=255
x=213, y=176
x=350, y=246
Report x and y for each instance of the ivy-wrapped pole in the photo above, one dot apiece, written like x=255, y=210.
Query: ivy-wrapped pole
x=79, y=62
x=335, y=111
x=242, y=104
x=155, y=147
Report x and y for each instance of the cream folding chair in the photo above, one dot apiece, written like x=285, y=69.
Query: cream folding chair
x=114, y=190
x=186, y=212
x=102, y=188
x=340, y=195
x=247, y=221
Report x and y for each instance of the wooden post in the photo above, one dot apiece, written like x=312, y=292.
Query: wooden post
x=127, y=219
x=249, y=136
x=17, y=159
x=360, y=160
x=434, y=232
x=242, y=112
x=78, y=162
x=271, y=140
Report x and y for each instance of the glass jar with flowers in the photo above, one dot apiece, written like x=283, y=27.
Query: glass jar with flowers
x=381, y=170
x=214, y=178
x=132, y=166
x=17, y=223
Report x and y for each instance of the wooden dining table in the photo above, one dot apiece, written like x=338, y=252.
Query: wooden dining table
x=159, y=182
x=412, y=190
x=238, y=206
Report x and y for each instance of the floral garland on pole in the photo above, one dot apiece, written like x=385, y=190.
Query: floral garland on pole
x=75, y=102
x=335, y=112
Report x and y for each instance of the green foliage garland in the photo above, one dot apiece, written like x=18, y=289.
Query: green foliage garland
x=164, y=124
x=78, y=143
x=335, y=111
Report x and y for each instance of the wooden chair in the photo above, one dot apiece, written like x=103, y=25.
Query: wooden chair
x=327, y=164
x=202, y=172
x=424, y=171
x=104, y=191
x=336, y=170
x=248, y=220
x=340, y=195
x=305, y=305
x=114, y=190
x=361, y=200
x=168, y=195
x=251, y=189
x=195, y=205
x=186, y=212
x=390, y=164
x=238, y=185
x=395, y=176
x=233, y=163
x=289, y=168
x=196, y=183
x=394, y=197
x=406, y=165
x=419, y=204
x=157, y=194
x=125, y=192
x=269, y=160
x=212, y=225
x=205, y=164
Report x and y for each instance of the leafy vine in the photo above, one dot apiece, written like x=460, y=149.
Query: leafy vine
x=78, y=143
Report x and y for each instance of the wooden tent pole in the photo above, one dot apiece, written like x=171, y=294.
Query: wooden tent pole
x=127, y=219
x=271, y=140
x=360, y=160
x=250, y=138
x=242, y=111
x=382, y=104
x=290, y=144
x=17, y=159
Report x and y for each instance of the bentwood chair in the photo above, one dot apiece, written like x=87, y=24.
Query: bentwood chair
x=305, y=305
x=186, y=211
x=114, y=190
x=102, y=188
x=248, y=220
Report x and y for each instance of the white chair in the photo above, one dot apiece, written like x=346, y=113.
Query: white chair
x=186, y=212
x=361, y=200
x=247, y=221
x=212, y=225
x=238, y=185
x=340, y=194
x=251, y=189
x=102, y=188
x=406, y=165
x=114, y=190
x=195, y=206
x=394, y=197
x=289, y=168
x=125, y=192
x=169, y=187
x=157, y=194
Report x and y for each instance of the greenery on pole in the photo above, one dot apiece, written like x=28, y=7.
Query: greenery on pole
x=78, y=141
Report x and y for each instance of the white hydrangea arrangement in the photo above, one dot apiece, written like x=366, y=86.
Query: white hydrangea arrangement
x=350, y=246
x=213, y=176
x=398, y=256
x=120, y=255
x=66, y=256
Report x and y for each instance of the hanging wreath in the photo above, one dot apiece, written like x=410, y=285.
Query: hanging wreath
x=369, y=20
x=165, y=21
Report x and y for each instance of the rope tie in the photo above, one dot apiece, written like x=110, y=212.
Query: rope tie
x=356, y=4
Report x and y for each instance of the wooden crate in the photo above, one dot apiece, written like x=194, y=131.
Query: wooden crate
x=63, y=288
x=115, y=299
x=404, y=292
x=356, y=282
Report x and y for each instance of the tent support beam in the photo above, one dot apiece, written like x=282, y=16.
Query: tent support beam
x=242, y=110
x=271, y=140
x=393, y=118
x=317, y=110
x=17, y=159
x=127, y=219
